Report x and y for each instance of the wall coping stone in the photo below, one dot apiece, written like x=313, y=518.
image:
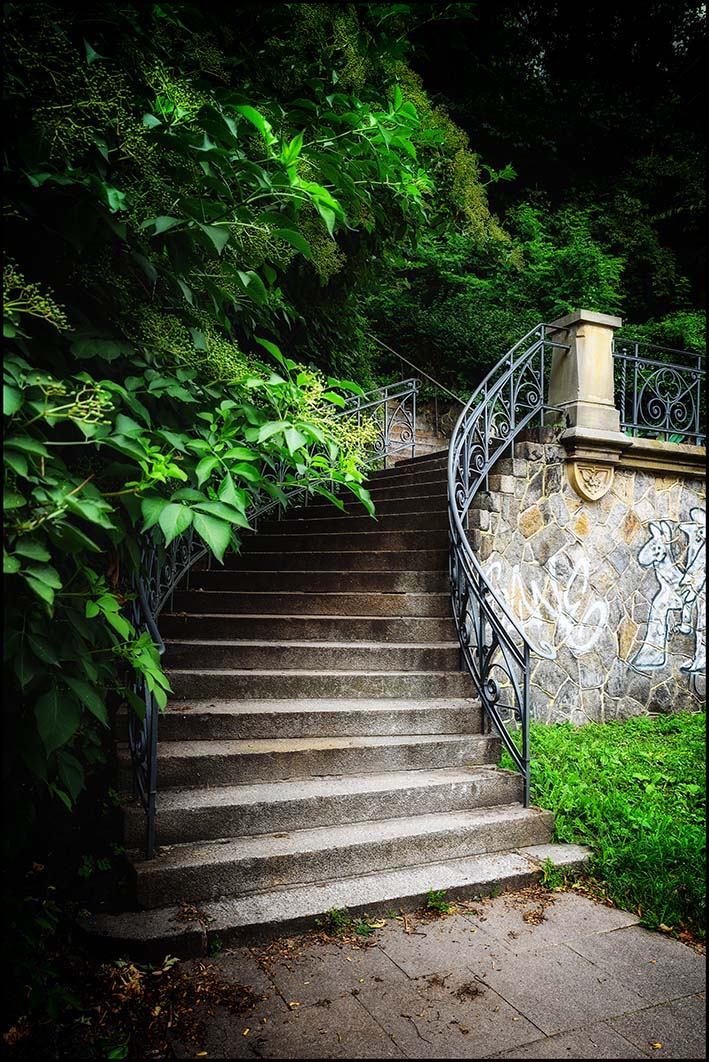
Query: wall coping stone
x=628, y=451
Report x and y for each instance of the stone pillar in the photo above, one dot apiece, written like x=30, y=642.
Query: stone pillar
x=582, y=377
x=582, y=388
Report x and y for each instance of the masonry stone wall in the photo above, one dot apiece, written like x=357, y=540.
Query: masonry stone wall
x=610, y=592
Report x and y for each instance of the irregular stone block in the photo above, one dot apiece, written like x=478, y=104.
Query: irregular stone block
x=549, y=542
x=631, y=526
x=531, y=521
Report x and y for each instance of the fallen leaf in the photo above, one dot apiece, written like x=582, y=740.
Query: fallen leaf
x=656, y=1046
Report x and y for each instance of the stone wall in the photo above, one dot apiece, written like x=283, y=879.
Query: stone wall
x=610, y=592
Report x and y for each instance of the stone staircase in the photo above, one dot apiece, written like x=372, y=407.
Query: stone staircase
x=322, y=748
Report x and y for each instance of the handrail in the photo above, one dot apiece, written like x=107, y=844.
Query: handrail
x=418, y=368
x=494, y=647
x=659, y=395
x=161, y=571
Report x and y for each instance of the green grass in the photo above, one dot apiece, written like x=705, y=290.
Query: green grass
x=635, y=793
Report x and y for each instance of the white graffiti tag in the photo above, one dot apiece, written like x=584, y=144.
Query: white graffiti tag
x=558, y=611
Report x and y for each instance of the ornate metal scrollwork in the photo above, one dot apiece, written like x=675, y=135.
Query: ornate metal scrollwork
x=659, y=394
x=494, y=647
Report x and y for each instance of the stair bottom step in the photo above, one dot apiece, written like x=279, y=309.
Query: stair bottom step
x=152, y=934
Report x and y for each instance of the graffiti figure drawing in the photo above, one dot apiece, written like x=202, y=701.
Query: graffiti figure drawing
x=682, y=589
x=693, y=585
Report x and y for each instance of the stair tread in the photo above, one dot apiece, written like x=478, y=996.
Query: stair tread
x=289, y=789
x=309, y=643
x=297, y=617
x=244, y=746
x=313, y=704
x=323, y=593
x=340, y=673
x=329, y=838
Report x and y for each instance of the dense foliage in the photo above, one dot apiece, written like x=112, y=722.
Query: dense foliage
x=188, y=196
x=602, y=163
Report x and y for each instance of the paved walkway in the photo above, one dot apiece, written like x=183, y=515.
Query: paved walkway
x=530, y=974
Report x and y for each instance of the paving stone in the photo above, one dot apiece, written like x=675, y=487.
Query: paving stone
x=512, y=919
x=680, y=1026
x=342, y=1029
x=239, y=966
x=556, y=987
x=656, y=966
x=326, y=972
x=491, y=1021
x=440, y=946
x=596, y=1041
x=223, y=1029
x=425, y=1028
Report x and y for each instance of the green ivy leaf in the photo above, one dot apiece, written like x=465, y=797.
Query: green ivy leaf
x=58, y=718
x=30, y=547
x=46, y=574
x=225, y=512
x=11, y=400
x=247, y=472
x=205, y=468
x=295, y=439
x=42, y=649
x=218, y=234
x=215, y=533
x=27, y=445
x=173, y=520
x=71, y=772
x=10, y=565
x=89, y=697
x=162, y=224
x=272, y=427
x=295, y=239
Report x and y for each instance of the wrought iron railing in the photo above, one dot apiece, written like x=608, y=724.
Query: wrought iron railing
x=494, y=647
x=660, y=392
x=392, y=411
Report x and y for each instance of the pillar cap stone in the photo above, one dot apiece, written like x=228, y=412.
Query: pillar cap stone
x=588, y=317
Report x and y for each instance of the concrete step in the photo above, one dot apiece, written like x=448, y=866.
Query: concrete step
x=334, y=522
x=401, y=504
x=438, y=455
x=329, y=559
x=380, y=629
x=289, y=655
x=431, y=486
x=407, y=477
x=150, y=935
x=265, y=685
x=384, y=582
x=238, y=603
x=357, y=541
x=247, y=810
x=245, y=865
x=248, y=720
x=194, y=764
x=412, y=466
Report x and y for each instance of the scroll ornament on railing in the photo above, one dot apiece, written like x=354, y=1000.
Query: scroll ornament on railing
x=661, y=391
